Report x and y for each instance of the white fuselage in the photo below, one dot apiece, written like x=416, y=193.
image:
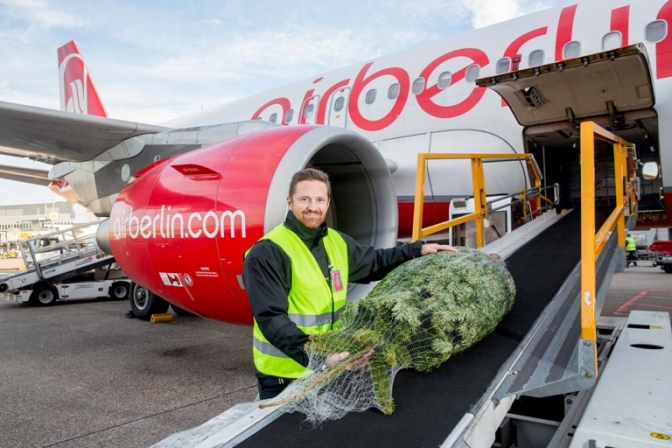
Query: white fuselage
x=459, y=117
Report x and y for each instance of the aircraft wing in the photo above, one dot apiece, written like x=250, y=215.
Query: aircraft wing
x=27, y=175
x=54, y=136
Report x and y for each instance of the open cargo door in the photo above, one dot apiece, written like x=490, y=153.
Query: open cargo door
x=601, y=84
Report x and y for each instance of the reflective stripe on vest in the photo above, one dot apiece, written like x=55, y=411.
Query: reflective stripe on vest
x=302, y=320
x=312, y=304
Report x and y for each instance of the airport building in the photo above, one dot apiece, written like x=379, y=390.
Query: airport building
x=27, y=220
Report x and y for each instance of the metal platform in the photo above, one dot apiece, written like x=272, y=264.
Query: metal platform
x=58, y=256
x=639, y=366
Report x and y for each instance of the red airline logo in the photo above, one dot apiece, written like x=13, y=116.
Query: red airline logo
x=165, y=223
x=467, y=57
x=78, y=95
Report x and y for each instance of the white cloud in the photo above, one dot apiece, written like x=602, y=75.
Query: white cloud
x=489, y=12
x=40, y=13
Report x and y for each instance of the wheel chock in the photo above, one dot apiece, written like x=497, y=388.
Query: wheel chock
x=164, y=317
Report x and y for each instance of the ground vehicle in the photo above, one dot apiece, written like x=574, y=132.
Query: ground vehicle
x=644, y=254
x=66, y=264
x=662, y=255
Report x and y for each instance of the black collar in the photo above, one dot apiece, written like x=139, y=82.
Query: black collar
x=310, y=237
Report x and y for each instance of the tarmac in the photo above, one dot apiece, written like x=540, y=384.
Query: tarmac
x=81, y=374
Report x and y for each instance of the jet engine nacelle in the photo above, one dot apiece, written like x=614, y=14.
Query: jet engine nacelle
x=181, y=227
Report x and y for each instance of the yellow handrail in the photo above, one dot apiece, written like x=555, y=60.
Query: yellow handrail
x=479, y=192
x=593, y=242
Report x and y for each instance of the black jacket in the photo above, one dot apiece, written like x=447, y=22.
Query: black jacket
x=267, y=277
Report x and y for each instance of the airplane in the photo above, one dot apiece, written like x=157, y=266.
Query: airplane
x=185, y=199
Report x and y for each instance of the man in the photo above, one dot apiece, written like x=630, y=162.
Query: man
x=631, y=249
x=296, y=278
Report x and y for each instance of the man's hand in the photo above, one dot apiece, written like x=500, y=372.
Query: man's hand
x=432, y=248
x=335, y=358
x=358, y=364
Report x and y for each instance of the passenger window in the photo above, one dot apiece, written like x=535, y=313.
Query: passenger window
x=536, y=58
x=338, y=104
x=571, y=50
x=503, y=66
x=289, y=115
x=611, y=41
x=308, y=112
x=418, y=85
x=472, y=72
x=273, y=118
x=393, y=91
x=371, y=96
x=444, y=80
x=656, y=31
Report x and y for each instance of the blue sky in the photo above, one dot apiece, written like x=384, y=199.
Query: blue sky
x=155, y=60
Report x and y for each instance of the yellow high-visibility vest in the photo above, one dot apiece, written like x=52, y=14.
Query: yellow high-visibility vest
x=314, y=305
x=630, y=244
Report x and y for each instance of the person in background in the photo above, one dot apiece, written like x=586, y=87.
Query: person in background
x=631, y=250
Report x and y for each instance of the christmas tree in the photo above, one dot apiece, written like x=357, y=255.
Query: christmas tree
x=417, y=317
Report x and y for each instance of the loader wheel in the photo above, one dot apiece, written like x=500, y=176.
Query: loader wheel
x=43, y=295
x=119, y=290
x=144, y=303
x=668, y=268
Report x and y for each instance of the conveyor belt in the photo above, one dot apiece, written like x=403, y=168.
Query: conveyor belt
x=430, y=405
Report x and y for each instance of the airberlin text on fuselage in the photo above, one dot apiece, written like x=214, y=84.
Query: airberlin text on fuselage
x=165, y=224
x=620, y=22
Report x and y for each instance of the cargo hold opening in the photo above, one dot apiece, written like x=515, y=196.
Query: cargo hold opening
x=556, y=147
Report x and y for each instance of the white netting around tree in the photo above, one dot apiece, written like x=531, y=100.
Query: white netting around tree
x=417, y=317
